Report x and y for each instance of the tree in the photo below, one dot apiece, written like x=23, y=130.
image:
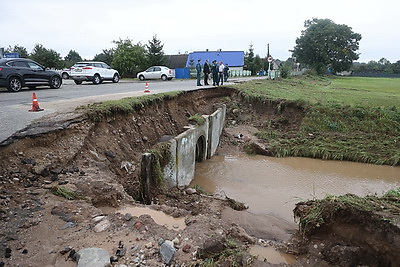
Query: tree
x=258, y=64
x=326, y=44
x=155, y=54
x=249, y=60
x=106, y=56
x=17, y=49
x=72, y=58
x=47, y=57
x=129, y=58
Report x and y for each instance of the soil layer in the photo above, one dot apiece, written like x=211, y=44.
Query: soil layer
x=64, y=178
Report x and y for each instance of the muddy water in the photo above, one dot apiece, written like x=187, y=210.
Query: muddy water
x=158, y=216
x=273, y=185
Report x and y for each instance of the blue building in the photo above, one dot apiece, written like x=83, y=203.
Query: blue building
x=234, y=59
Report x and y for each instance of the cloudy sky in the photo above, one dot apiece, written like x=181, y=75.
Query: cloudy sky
x=89, y=26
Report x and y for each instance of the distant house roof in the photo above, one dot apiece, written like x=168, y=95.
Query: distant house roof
x=232, y=58
x=176, y=61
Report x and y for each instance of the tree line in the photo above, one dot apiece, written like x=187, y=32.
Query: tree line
x=323, y=45
x=126, y=57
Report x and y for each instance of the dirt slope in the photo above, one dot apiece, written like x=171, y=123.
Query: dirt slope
x=64, y=178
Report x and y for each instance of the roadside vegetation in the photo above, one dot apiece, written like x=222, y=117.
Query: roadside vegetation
x=345, y=118
x=100, y=110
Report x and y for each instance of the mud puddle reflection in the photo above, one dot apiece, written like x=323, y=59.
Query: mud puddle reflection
x=158, y=216
x=273, y=185
x=271, y=255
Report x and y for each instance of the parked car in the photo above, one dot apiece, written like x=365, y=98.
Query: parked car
x=65, y=73
x=156, y=72
x=16, y=73
x=93, y=71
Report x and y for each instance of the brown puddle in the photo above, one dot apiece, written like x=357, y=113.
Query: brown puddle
x=271, y=255
x=273, y=185
x=158, y=216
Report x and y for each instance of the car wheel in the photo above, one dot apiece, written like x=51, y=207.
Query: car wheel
x=14, y=84
x=115, y=78
x=141, y=77
x=96, y=79
x=55, y=82
x=78, y=82
x=164, y=77
x=65, y=75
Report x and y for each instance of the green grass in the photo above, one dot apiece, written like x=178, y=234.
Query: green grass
x=97, y=111
x=352, y=91
x=345, y=118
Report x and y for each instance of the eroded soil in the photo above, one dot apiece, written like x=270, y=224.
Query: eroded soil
x=100, y=163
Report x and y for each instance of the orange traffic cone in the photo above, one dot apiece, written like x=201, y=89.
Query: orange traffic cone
x=146, y=88
x=35, y=104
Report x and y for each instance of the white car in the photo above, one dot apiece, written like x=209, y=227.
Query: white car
x=156, y=72
x=65, y=73
x=93, y=71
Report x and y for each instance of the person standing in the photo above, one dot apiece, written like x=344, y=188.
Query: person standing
x=198, y=69
x=206, y=70
x=226, y=72
x=221, y=73
x=214, y=71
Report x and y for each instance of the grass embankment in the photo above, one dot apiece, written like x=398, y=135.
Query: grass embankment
x=319, y=212
x=97, y=111
x=346, y=118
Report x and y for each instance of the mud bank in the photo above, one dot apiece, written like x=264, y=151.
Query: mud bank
x=64, y=178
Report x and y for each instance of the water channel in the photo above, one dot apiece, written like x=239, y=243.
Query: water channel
x=274, y=185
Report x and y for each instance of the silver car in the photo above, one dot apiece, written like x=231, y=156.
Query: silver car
x=156, y=72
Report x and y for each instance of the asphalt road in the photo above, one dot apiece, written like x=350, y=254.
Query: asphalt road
x=14, y=114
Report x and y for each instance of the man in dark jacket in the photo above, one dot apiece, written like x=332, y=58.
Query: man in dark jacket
x=206, y=70
x=214, y=70
x=198, y=69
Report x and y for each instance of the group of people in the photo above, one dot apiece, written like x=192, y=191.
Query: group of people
x=219, y=72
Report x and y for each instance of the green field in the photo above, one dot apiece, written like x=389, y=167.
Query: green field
x=349, y=118
x=353, y=91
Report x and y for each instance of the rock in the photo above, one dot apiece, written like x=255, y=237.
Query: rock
x=67, y=225
x=120, y=252
x=93, y=257
x=110, y=154
x=7, y=253
x=212, y=247
x=175, y=241
x=98, y=218
x=235, y=110
x=28, y=161
x=128, y=217
x=190, y=191
x=167, y=252
x=138, y=225
x=186, y=248
x=102, y=226
x=65, y=250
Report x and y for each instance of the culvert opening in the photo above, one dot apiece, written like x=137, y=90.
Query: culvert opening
x=200, y=149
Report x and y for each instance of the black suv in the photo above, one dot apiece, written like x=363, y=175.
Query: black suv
x=16, y=73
